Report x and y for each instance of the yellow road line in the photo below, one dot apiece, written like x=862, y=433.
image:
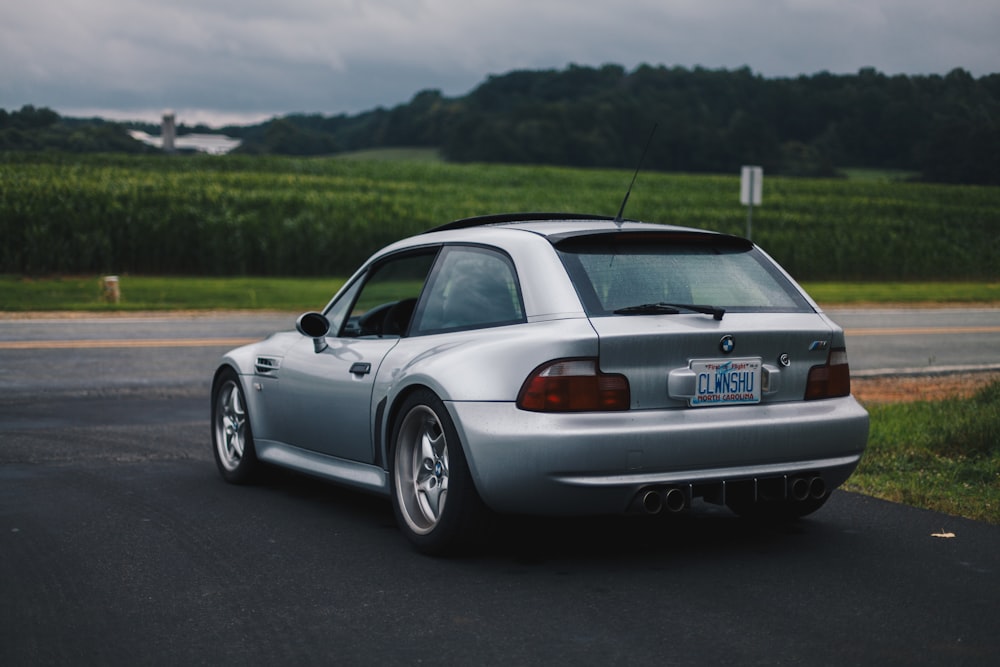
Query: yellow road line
x=921, y=331
x=122, y=343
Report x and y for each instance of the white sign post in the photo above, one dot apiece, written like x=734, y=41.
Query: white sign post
x=751, y=188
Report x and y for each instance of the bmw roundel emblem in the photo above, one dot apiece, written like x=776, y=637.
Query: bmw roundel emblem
x=727, y=344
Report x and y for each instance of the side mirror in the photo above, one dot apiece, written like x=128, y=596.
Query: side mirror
x=315, y=326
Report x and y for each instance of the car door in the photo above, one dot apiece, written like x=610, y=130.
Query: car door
x=325, y=400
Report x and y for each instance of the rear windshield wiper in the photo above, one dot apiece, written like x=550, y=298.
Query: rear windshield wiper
x=662, y=308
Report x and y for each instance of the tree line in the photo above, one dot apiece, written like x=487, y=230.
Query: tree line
x=41, y=129
x=945, y=128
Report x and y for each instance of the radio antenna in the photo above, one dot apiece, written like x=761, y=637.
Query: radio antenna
x=621, y=211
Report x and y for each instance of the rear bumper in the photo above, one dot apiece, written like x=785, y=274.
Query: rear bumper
x=596, y=463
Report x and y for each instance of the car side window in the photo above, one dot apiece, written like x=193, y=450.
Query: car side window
x=470, y=288
x=382, y=303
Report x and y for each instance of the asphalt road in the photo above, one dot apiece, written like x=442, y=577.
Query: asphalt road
x=920, y=340
x=119, y=544
x=168, y=353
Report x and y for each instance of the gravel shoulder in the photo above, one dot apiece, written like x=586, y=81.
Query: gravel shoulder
x=905, y=389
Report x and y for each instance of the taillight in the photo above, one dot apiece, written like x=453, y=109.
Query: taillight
x=573, y=385
x=832, y=379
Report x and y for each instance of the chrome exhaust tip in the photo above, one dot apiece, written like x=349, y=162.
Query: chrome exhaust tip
x=798, y=489
x=674, y=500
x=817, y=488
x=652, y=503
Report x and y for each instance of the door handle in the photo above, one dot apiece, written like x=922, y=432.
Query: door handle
x=361, y=368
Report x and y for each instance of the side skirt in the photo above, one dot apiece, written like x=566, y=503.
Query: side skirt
x=351, y=473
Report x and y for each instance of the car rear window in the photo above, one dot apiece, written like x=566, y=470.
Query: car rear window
x=615, y=271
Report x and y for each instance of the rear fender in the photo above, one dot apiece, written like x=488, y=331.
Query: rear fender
x=480, y=365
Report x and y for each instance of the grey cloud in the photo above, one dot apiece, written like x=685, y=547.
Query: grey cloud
x=332, y=56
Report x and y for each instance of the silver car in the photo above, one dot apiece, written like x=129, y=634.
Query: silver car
x=556, y=365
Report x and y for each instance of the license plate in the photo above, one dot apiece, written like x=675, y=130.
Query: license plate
x=726, y=382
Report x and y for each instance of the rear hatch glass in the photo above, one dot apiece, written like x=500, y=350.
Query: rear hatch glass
x=612, y=272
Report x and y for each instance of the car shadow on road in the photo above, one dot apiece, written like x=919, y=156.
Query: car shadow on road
x=700, y=531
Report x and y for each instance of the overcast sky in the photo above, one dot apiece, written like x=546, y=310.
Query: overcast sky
x=219, y=61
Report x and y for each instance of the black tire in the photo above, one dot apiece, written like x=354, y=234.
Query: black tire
x=232, y=437
x=776, y=510
x=434, y=498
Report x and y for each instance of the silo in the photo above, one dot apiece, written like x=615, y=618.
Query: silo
x=169, y=132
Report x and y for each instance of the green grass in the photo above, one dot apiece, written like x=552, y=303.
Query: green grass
x=838, y=293
x=878, y=175
x=173, y=293
x=394, y=154
x=20, y=294
x=941, y=455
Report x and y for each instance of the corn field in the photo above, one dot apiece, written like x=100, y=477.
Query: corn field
x=270, y=216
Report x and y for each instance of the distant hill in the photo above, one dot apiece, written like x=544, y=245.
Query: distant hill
x=944, y=128
x=42, y=129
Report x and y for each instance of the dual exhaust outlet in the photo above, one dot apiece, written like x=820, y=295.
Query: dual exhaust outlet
x=672, y=499
x=803, y=488
x=676, y=499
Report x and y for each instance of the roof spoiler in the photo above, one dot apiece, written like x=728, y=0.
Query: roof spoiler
x=508, y=218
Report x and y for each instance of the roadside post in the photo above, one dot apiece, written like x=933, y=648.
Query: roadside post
x=111, y=289
x=751, y=188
